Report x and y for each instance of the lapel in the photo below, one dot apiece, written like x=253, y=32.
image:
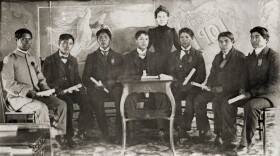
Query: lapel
x=100, y=57
x=58, y=62
x=135, y=58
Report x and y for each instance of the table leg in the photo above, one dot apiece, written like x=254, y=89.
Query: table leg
x=171, y=125
x=124, y=95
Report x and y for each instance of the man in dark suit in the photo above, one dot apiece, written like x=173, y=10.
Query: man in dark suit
x=223, y=81
x=135, y=63
x=180, y=65
x=103, y=65
x=61, y=72
x=263, y=87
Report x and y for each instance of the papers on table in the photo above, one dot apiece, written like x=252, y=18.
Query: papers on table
x=46, y=92
x=237, y=98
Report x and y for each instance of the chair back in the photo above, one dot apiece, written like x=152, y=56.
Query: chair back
x=2, y=105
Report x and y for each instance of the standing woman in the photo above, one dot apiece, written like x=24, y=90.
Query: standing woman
x=163, y=37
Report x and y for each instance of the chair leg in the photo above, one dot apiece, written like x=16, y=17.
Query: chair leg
x=260, y=123
x=124, y=136
x=264, y=133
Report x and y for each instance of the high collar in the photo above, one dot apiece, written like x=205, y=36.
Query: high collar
x=25, y=52
x=21, y=53
x=259, y=50
x=141, y=54
x=162, y=27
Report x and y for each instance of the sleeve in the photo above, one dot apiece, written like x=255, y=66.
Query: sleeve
x=77, y=78
x=8, y=77
x=47, y=72
x=213, y=71
x=151, y=38
x=176, y=40
x=272, y=84
x=87, y=72
x=42, y=83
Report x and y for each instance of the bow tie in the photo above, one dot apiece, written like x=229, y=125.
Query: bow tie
x=105, y=53
x=186, y=51
x=63, y=57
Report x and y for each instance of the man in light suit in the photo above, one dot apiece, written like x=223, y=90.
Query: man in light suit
x=23, y=79
x=61, y=72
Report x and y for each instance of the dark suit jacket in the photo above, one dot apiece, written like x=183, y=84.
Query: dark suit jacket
x=107, y=71
x=232, y=76
x=263, y=80
x=132, y=68
x=54, y=71
x=192, y=60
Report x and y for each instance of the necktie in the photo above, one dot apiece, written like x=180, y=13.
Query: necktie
x=63, y=57
x=105, y=53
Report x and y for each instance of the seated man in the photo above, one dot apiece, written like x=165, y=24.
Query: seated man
x=23, y=79
x=103, y=65
x=180, y=64
x=135, y=63
x=225, y=81
x=61, y=72
x=262, y=67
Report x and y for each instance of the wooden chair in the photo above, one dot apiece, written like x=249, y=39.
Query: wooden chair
x=7, y=112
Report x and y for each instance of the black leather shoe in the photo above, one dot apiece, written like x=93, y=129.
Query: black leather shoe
x=70, y=143
x=83, y=136
x=218, y=141
x=183, y=136
x=241, y=150
x=205, y=135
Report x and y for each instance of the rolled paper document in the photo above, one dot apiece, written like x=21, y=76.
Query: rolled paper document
x=203, y=87
x=165, y=77
x=99, y=84
x=46, y=92
x=72, y=88
x=237, y=98
x=187, y=79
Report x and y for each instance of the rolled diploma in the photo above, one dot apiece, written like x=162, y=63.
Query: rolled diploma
x=200, y=86
x=46, y=92
x=72, y=88
x=237, y=98
x=189, y=76
x=98, y=84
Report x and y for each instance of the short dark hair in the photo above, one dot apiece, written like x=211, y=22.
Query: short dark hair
x=227, y=34
x=186, y=30
x=65, y=37
x=261, y=30
x=140, y=32
x=103, y=30
x=161, y=8
x=20, y=32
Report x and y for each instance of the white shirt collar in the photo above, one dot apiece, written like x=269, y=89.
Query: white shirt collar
x=259, y=50
x=183, y=53
x=25, y=52
x=141, y=54
x=102, y=49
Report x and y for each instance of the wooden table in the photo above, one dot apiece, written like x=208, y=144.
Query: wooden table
x=152, y=85
x=30, y=139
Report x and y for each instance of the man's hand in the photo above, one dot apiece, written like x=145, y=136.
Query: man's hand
x=248, y=95
x=217, y=90
x=31, y=94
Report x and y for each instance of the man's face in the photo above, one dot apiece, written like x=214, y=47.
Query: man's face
x=65, y=46
x=142, y=41
x=225, y=44
x=103, y=40
x=162, y=18
x=257, y=40
x=185, y=40
x=24, y=43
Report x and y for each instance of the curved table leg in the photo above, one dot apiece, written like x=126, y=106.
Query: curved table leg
x=172, y=100
x=124, y=95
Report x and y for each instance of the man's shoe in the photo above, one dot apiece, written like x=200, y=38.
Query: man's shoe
x=83, y=136
x=205, y=135
x=70, y=143
x=218, y=141
x=57, y=142
x=183, y=136
x=163, y=136
x=241, y=150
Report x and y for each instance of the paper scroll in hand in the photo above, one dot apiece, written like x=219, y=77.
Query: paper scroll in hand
x=237, y=98
x=71, y=89
x=99, y=84
x=203, y=87
x=46, y=92
x=187, y=79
